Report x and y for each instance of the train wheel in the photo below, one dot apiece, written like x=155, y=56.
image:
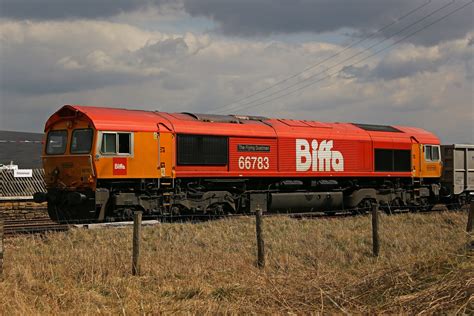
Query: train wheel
x=53, y=212
x=363, y=207
x=121, y=214
x=425, y=205
x=218, y=209
x=66, y=214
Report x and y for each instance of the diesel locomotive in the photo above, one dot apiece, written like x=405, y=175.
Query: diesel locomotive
x=104, y=163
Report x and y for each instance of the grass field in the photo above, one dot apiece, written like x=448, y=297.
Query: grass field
x=318, y=266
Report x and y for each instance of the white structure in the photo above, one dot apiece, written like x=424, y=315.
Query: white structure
x=11, y=166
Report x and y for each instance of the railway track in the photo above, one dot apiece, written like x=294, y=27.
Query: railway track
x=32, y=226
x=294, y=215
x=43, y=225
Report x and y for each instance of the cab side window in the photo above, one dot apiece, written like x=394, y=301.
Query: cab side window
x=115, y=143
x=435, y=153
x=124, y=143
x=428, y=152
x=109, y=143
x=432, y=153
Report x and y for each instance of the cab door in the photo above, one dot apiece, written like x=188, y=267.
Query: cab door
x=416, y=154
x=431, y=161
x=166, y=152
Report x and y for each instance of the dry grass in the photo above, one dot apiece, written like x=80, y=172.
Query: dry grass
x=322, y=265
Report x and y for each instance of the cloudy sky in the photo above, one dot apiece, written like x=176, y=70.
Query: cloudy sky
x=407, y=62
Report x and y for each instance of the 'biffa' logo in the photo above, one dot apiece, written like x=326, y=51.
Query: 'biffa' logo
x=318, y=158
x=120, y=166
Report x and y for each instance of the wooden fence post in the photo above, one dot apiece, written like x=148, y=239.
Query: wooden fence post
x=258, y=203
x=260, y=242
x=137, y=224
x=1, y=249
x=375, y=230
x=470, y=220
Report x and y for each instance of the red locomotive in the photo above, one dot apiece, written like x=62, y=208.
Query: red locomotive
x=104, y=163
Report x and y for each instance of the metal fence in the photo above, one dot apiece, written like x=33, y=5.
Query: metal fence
x=20, y=188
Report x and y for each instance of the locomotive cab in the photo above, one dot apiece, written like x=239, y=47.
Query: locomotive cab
x=95, y=169
x=431, y=163
x=68, y=163
x=426, y=162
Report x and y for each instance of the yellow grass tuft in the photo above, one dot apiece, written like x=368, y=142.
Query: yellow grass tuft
x=319, y=265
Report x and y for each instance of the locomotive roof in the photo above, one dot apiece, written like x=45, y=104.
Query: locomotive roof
x=115, y=119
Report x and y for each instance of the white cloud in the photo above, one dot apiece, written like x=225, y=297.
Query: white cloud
x=47, y=64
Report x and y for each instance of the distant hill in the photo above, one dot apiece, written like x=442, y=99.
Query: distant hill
x=24, y=149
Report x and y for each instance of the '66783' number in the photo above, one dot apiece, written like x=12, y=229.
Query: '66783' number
x=252, y=163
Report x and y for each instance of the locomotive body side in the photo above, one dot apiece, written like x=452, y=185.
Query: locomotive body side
x=174, y=163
